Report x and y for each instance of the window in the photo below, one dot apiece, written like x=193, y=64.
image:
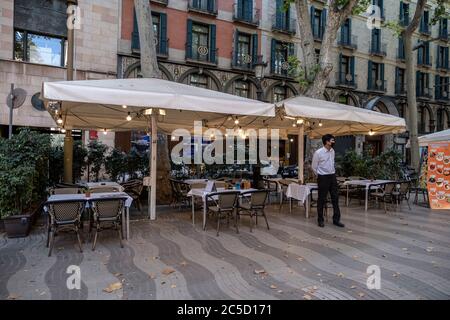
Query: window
x=424, y=23
x=404, y=13
x=376, y=48
x=442, y=58
x=318, y=21
x=379, y=4
x=346, y=33
x=245, y=50
x=441, y=85
x=376, y=76
x=208, y=6
x=344, y=99
x=423, y=54
x=400, y=81
x=198, y=80
x=401, y=49
x=283, y=18
x=279, y=93
x=241, y=89
x=317, y=53
x=159, y=32
x=243, y=11
x=443, y=29
x=346, y=73
x=201, y=42
x=279, y=58
x=40, y=49
x=422, y=84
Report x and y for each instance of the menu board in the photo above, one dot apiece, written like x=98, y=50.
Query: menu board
x=439, y=175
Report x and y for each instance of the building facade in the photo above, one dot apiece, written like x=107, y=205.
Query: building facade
x=214, y=44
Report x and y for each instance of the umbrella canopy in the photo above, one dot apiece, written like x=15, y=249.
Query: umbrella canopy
x=323, y=117
x=98, y=104
x=434, y=137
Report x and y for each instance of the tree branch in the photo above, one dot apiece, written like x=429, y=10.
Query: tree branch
x=420, y=7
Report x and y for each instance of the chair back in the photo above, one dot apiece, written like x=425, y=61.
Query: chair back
x=389, y=187
x=258, y=198
x=227, y=200
x=404, y=187
x=198, y=185
x=107, y=208
x=270, y=185
x=65, y=191
x=65, y=211
x=104, y=190
x=221, y=184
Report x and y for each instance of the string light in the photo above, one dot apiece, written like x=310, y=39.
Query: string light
x=129, y=117
x=104, y=131
x=124, y=106
x=63, y=130
x=300, y=121
x=292, y=140
x=371, y=132
x=320, y=123
x=294, y=125
x=173, y=138
x=236, y=121
x=60, y=120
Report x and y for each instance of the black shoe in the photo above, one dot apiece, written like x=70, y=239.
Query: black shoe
x=339, y=224
x=321, y=224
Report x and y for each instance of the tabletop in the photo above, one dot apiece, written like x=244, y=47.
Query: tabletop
x=366, y=183
x=96, y=185
x=79, y=196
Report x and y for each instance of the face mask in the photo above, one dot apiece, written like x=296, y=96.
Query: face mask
x=332, y=144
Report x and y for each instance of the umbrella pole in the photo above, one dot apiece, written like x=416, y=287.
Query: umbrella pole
x=152, y=207
x=301, y=148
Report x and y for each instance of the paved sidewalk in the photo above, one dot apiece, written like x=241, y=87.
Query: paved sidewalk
x=295, y=259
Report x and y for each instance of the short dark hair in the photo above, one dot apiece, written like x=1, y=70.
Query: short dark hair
x=326, y=138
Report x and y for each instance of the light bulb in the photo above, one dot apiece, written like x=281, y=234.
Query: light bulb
x=294, y=125
x=63, y=130
x=292, y=140
x=236, y=121
x=128, y=117
x=124, y=106
x=300, y=121
x=320, y=124
x=105, y=132
x=60, y=120
x=371, y=132
x=173, y=138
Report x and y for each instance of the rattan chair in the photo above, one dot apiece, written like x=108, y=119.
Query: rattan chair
x=65, y=191
x=63, y=215
x=403, y=193
x=384, y=193
x=222, y=204
x=106, y=214
x=134, y=189
x=253, y=208
x=104, y=190
x=272, y=187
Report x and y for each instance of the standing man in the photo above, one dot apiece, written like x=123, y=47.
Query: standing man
x=323, y=167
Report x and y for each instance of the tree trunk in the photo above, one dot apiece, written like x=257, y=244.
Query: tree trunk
x=150, y=69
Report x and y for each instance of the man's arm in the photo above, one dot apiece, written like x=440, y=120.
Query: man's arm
x=315, y=163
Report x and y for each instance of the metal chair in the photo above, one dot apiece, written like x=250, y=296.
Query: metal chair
x=221, y=184
x=384, y=193
x=104, y=190
x=403, y=193
x=272, y=186
x=284, y=184
x=134, y=189
x=254, y=207
x=63, y=215
x=106, y=212
x=65, y=191
x=222, y=204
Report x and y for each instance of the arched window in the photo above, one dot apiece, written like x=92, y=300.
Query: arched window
x=245, y=89
x=346, y=99
x=281, y=92
x=424, y=122
x=134, y=71
x=201, y=80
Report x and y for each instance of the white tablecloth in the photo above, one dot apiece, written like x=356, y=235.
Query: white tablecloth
x=192, y=181
x=299, y=192
x=64, y=197
x=365, y=183
x=106, y=184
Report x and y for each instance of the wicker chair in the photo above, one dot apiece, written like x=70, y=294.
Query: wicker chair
x=222, y=204
x=106, y=213
x=64, y=215
x=403, y=193
x=384, y=193
x=272, y=187
x=104, y=190
x=253, y=208
x=65, y=191
x=134, y=189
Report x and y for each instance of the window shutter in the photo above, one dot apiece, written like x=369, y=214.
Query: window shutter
x=352, y=69
x=418, y=83
x=249, y=10
x=381, y=5
x=189, y=39
x=279, y=14
x=135, y=34
x=401, y=48
x=382, y=76
x=163, y=33
x=291, y=50
x=373, y=44
x=212, y=43
x=254, y=48
x=311, y=17
x=407, y=14
x=349, y=32
x=402, y=12
x=446, y=58
x=210, y=6
x=436, y=87
x=236, y=48
x=323, y=20
x=369, y=75
x=427, y=53
x=340, y=68
x=420, y=55
x=397, y=80
x=272, y=55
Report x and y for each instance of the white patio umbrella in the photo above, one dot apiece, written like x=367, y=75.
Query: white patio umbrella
x=318, y=117
x=434, y=137
x=126, y=104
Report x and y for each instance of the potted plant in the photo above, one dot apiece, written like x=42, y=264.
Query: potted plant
x=23, y=180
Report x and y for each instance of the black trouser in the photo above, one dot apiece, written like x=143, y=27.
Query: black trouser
x=328, y=183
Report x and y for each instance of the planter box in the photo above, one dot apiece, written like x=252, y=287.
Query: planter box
x=18, y=226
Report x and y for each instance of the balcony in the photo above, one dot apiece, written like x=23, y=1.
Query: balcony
x=163, y=2
x=162, y=45
x=442, y=66
x=202, y=55
x=425, y=30
x=208, y=7
x=443, y=97
x=348, y=42
x=288, y=26
x=346, y=80
x=378, y=86
x=378, y=49
x=424, y=63
x=443, y=35
x=240, y=15
x=242, y=61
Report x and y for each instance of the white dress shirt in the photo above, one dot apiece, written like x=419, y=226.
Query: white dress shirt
x=323, y=161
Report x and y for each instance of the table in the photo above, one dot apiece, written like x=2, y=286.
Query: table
x=193, y=181
x=202, y=193
x=107, y=184
x=279, y=187
x=301, y=193
x=367, y=184
x=125, y=213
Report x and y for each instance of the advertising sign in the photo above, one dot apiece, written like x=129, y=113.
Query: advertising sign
x=438, y=177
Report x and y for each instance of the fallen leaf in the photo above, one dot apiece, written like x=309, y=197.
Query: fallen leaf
x=168, y=271
x=173, y=286
x=260, y=271
x=183, y=263
x=340, y=274
x=152, y=276
x=307, y=297
x=319, y=275
x=13, y=296
x=349, y=231
x=280, y=291
x=429, y=249
x=273, y=286
x=353, y=287
x=113, y=287
x=405, y=249
x=300, y=259
x=118, y=274
x=361, y=294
